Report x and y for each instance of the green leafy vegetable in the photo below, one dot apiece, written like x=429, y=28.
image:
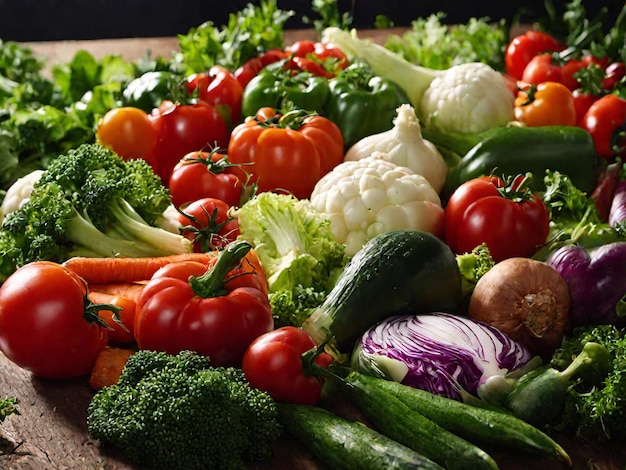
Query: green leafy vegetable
x=253, y=30
x=297, y=250
x=432, y=43
x=595, y=406
x=473, y=266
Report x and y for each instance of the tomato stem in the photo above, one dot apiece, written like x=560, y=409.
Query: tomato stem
x=91, y=310
x=213, y=282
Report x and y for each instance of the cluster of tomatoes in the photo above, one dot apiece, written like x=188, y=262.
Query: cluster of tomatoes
x=558, y=85
x=211, y=157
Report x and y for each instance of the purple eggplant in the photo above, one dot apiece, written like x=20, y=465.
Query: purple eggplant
x=597, y=282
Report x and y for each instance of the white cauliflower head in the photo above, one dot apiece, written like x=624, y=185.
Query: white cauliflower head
x=371, y=196
x=468, y=98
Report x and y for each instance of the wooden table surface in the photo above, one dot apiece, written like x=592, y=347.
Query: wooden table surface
x=51, y=431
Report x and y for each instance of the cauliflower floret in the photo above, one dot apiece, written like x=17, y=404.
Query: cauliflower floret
x=371, y=196
x=467, y=98
x=18, y=193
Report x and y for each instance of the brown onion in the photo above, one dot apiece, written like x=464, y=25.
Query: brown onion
x=526, y=299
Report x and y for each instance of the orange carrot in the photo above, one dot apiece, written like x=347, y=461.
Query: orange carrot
x=117, y=333
x=111, y=269
x=130, y=290
x=108, y=366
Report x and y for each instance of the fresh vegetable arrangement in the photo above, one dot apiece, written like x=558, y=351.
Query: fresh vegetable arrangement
x=254, y=232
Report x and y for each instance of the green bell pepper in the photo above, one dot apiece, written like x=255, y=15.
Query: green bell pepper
x=361, y=103
x=149, y=89
x=509, y=151
x=281, y=89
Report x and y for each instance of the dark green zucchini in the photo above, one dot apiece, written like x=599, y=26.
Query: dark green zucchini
x=395, y=419
x=509, y=151
x=475, y=424
x=397, y=272
x=347, y=445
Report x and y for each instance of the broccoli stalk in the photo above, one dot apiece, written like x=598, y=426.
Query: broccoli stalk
x=179, y=412
x=297, y=250
x=90, y=202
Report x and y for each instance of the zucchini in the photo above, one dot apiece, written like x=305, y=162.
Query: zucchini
x=397, y=272
x=343, y=444
x=395, y=419
x=479, y=425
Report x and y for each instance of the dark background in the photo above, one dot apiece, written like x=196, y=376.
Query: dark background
x=53, y=20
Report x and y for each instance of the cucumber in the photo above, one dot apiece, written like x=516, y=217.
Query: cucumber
x=479, y=425
x=395, y=419
x=397, y=272
x=343, y=444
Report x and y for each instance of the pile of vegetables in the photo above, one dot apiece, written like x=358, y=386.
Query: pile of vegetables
x=436, y=240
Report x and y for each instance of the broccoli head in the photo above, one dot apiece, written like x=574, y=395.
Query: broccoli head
x=90, y=202
x=473, y=265
x=179, y=412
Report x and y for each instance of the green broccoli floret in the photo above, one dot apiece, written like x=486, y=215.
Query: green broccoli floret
x=293, y=307
x=90, y=202
x=179, y=412
x=473, y=265
x=595, y=405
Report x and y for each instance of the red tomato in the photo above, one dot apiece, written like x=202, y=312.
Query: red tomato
x=606, y=122
x=320, y=58
x=207, y=174
x=286, y=155
x=524, y=47
x=582, y=103
x=252, y=67
x=220, y=88
x=613, y=75
x=273, y=363
x=542, y=68
x=477, y=212
x=568, y=70
x=206, y=222
x=184, y=128
x=44, y=327
x=546, y=104
x=187, y=307
x=127, y=131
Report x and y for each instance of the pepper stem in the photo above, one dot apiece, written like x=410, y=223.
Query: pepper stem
x=213, y=282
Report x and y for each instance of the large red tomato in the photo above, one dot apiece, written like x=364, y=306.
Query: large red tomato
x=511, y=224
x=605, y=120
x=184, y=128
x=44, y=325
x=286, y=154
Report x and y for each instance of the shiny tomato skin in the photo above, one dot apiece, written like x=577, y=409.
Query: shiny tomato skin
x=542, y=68
x=212, y=227
x=42, y=322
x=478, y=214
x=283, y=159
x=192, y=179
x=172, y=318
x=582, y=103
x=273, y=363
x=461, y=199
x=524, y=47
x=220, y=88
x=184, y=128
x=128, y=131
x=605, y=120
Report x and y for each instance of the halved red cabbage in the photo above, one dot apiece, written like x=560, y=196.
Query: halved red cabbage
x=439, y=352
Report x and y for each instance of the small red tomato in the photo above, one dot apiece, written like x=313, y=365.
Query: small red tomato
x=273, y=363
x=524, y=47
x=606, y=122
x=206, y=222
